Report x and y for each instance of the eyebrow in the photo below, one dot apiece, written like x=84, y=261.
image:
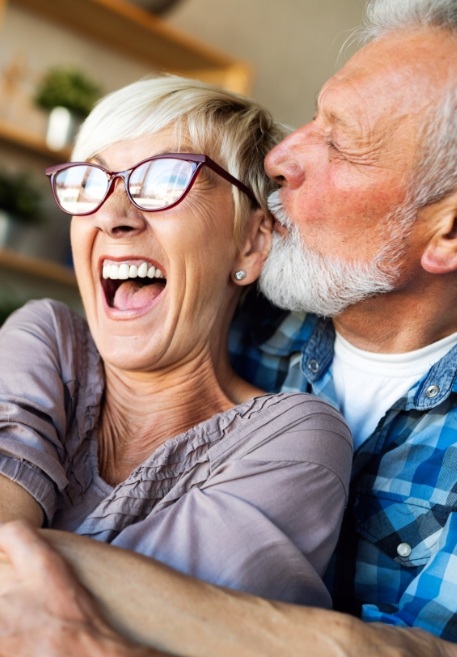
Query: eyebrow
x=99, y=159
x=333, y=116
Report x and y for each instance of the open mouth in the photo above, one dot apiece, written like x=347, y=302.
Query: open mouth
x=131, y=285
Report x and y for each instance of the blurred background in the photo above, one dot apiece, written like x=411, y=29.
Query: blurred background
x=292, y=45
x=58, y=56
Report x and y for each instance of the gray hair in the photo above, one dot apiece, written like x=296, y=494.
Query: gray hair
x=235, y=131
x=385, y=16
x=435, y=176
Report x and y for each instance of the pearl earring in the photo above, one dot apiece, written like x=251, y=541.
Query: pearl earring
x=240, y=275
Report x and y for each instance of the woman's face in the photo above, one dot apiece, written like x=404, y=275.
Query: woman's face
x=144, y=324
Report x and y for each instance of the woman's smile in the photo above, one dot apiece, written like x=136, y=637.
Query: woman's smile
x=131, y=284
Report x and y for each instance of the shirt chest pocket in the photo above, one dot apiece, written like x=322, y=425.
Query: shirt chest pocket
x=405, y=529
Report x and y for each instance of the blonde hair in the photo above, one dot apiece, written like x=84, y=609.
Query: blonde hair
x=233, y=130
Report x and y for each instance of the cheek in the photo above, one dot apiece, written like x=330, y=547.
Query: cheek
x=77, y=247
x=204, y=279
x=82, y=239
x=207, y=267
x=205, y=239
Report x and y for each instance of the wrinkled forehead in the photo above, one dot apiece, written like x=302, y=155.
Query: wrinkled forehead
x=390, y=85
x=404, y=66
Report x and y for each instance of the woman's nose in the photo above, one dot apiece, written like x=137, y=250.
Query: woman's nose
x=118, y=217
x=284, y=164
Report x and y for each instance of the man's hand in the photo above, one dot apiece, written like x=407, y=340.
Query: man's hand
x=44, y=611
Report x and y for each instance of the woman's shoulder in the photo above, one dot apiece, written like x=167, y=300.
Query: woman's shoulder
x=301, y=410
x=287, y=429
x=46, y=313
x=55, y=331
x=290, y=426
x=302, y=405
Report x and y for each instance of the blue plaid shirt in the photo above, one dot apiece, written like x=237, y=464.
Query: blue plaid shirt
x=397, y=558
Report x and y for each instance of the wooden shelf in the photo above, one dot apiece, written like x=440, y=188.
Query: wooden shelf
x=139, y=34
x=23, y=278
x=51, y=272
x=30, y=142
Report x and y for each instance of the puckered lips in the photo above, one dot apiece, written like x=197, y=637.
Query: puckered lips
x=131, y=285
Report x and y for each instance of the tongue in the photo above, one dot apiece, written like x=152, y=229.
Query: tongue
x=131, y=295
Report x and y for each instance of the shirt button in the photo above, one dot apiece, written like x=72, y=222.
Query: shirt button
x=404, y=550
x=313, y=365
x=432, y=391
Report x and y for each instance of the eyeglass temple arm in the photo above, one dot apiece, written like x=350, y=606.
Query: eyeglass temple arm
x=231, y=179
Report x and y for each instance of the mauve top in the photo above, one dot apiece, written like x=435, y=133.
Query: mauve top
x=251, y=498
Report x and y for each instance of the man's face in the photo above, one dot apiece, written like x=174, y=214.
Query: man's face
x=344, y=175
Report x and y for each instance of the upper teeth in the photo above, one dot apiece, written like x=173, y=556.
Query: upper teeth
x=124, y=271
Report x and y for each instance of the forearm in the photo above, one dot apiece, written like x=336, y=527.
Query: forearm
x=156, y=606
x=17, y=504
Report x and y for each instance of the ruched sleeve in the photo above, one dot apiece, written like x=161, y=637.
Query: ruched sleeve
x=45, y=356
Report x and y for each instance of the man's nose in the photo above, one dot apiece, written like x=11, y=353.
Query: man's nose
x=284, y=164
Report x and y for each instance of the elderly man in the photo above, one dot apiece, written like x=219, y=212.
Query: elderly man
x=367, y=235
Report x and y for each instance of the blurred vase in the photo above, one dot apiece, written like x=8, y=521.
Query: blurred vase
x=63, y=124
x=10, y=230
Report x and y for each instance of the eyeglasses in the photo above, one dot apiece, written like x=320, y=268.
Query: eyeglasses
x=158, y=183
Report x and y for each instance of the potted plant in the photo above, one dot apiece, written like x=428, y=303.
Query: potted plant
x=67, y=87
x=20, y=206
x=68, y=95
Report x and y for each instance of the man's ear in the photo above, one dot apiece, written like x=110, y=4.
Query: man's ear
x=255, y=248
x=440, y=254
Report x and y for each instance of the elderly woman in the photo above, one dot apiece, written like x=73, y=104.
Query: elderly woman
x=132, y=428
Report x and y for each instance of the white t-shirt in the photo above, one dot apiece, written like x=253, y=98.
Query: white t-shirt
x=367, y=384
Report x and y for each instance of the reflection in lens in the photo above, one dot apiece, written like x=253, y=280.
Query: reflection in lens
x=80, y=188
x=159, y=183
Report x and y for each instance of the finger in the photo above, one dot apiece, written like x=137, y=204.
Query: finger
x=31, y=557
x=46, y=574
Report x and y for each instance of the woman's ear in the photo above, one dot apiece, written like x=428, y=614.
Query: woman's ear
x=440, y=254
x=254, y=250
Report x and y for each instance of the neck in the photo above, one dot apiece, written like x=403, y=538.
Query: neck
x=399, y=322
x=142, y=410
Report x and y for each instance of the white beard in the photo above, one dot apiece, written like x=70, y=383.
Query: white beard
x=296, y=278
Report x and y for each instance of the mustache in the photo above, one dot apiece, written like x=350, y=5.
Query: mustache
x=277, y=210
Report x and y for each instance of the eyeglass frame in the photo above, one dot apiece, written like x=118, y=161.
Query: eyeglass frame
x=198, y=159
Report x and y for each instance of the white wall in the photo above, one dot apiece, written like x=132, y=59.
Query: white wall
x=293, y=45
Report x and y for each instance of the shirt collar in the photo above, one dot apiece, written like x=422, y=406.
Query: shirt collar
x=314, y=338
x=439, y=382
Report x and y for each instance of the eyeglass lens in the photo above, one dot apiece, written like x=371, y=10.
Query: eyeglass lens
x=153, y=185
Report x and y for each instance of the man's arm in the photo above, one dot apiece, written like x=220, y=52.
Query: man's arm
x=43, y=610
x=17, y=504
